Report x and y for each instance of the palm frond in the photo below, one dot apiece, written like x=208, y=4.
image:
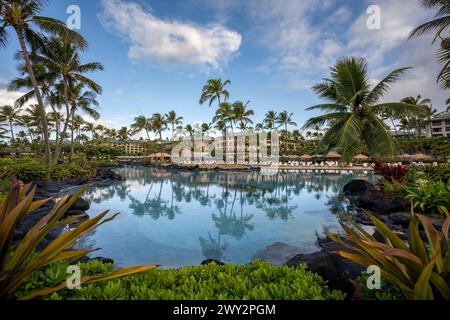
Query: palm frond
x=383, y=86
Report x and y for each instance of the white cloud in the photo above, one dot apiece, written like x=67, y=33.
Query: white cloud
x=169, y=42
x=10, y=97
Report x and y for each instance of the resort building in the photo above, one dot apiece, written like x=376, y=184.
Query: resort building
x=440, y=125
x=130, y=147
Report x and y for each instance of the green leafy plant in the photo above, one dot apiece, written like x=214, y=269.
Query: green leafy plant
x=19, y=261
x=419, y=271
x=430, y=197
x=257, y=281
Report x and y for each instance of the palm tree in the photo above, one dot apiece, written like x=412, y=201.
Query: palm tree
x=62, y=57
x=22, y=15
x=430, y=112
x=242, y=114
x=89, y=127
x=77, y=123
x=158, y=124
x=56, y=118
x=27, y=122
x=141, y=123
x=9, y=114
x=111, y=133
x=270, y=120
x=174, y=120
x=214, y=90
x=124, y=134
x=206, y=127
x=80, y=100
x=353, y=110
x=285, y=119
x=225, y=113
x=440, y=25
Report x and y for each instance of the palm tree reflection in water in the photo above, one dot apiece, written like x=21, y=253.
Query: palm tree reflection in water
x=229, y=195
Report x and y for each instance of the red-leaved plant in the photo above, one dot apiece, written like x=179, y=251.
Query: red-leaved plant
x=390, y=173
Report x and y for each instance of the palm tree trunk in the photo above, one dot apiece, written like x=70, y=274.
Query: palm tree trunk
x=46, y=136
x=72, y=149
x=66, y=122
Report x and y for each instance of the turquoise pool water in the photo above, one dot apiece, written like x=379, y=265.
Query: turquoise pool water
x=180, y=219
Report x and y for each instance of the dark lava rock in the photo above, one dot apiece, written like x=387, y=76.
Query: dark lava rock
x=86, y=259
x=209, y=261
x=338, y=272
x=400, y=218
x=358, y=186
x=79, y=205
x=107, y=174
x=278, y=253
x=364, y=195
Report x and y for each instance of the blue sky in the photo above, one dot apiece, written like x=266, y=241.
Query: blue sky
x=158, y=54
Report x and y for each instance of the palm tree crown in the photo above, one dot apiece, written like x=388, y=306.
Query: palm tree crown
x=214, y=90
x=353, y=111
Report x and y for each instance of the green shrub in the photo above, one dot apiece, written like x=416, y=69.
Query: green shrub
x=432, y=198
x=387, y=291
x=258, y=281
x=71, y=171
x=394, y=190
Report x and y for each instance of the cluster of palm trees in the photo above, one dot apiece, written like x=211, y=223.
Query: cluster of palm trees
x=238, y=115
x=157, y=124
x=51, y=72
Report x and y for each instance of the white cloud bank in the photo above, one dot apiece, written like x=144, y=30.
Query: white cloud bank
x=169, y=43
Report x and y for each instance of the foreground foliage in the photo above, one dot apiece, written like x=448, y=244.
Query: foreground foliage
x=19, y=261
x=258, y=281
x=419, y=270
x=430, y=197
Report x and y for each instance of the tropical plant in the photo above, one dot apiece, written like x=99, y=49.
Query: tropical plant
x=440, y=25
x=257, y=281
x=419, y=271
x=390, y=173
x=22, y=16
x=214, y=90
x=353, y=112
x=18, y=262
x=431, y=197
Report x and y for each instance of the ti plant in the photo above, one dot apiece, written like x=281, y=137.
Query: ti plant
x=19, y=261
x=420, y=270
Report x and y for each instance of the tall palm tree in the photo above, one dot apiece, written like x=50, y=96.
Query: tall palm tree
x=270, y=120
x=23, y=17
x=62, y=57
x=242, y=114
x=353, y=111
x=141, y=123
x=174, y=120
x=214, y=90
x=440, y=26
x=286, y=119
x=80, y=100
x=9, y=114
